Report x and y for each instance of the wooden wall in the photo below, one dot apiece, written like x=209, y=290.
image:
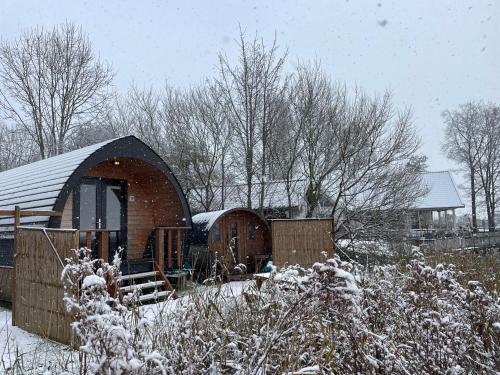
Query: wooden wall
x=301, y=241
x=247, y=249
x=155, y=201
x=6, y=283
x=38, y=305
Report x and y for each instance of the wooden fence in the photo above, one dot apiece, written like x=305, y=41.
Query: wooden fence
x=479, y=241
x=5, y=283
x=301, y=241
x=38, y=292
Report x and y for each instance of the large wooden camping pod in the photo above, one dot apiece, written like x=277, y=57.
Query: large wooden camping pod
x=232, y=237
x=117, y=193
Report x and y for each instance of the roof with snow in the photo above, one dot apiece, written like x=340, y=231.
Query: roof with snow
x=203, y=222
x=442, y=192
x=275, y=195
x=46, y=184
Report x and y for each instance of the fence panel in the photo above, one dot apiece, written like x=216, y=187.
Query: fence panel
x=38, y=291
x=301, y=241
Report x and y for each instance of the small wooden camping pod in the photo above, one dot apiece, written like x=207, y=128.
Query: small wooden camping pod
x=232, y=237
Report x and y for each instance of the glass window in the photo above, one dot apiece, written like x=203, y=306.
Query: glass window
x=217, y=231
x=251, y=231
x=88, y=206
x=113, y=207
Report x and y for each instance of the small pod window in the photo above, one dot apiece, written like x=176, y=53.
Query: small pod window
x=216, y=231
x=251, y=231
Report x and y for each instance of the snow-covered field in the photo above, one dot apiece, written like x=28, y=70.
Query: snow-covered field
x=39, y=353
x=21, y=349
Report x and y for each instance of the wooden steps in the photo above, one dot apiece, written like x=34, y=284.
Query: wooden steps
x=134, y=276
x=146, y=285
x=152, y=285
x=156, y=296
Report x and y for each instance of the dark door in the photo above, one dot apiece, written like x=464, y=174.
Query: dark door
x=234, y=240
x=101, y=204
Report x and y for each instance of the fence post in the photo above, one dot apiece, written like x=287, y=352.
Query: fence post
x=17, y=222
x=179, y=249
x=170, y=232
x=160, y=248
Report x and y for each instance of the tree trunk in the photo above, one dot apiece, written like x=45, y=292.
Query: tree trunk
x=312, y=199
x=473, y=201
x=289, y=197
x=223, y=185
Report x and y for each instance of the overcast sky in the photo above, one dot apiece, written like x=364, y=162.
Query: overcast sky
x=433, y=55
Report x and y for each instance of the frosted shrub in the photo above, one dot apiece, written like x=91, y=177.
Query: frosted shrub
x=336, y=317
x=108, y=339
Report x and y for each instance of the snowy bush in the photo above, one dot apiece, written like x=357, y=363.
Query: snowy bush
x=107, y=333
x=336, y=317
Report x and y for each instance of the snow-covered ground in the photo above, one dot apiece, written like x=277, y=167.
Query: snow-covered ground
x=17, y=345
x=38, y=352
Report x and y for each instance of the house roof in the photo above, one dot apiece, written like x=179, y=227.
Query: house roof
x=442, y=192
x=275, y=195
x=46, y=184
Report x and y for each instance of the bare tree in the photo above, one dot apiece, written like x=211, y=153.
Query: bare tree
x=16, y=149
x=51, y=83
x=488, y=166
x=285, y=148
x=463, y=143
x=315, y=104
x=148, y=113
x=206, y=137
x=373, y=183
x=253, y=90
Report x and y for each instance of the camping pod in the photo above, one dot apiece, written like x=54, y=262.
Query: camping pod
x=233, y=238
x=117, y=194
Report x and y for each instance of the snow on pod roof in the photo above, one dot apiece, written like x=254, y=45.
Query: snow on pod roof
x=442, y=192
x=46, y=184
x=207, y=218
x=36, y=186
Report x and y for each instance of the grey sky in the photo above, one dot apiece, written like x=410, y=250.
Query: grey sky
x=432, y=54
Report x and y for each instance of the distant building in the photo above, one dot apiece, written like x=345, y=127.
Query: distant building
x=435, y=211
x=432, y=213
x=275, y=199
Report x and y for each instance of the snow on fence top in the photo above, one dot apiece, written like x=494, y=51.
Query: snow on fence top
x=36, y=186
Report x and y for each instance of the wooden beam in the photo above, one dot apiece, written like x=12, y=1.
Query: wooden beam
x=88, y=239
x=17, y=221
x=179, y=248
x=169, y=255
x=103, y=249
x=29, y=213
x=17, y=217
x=160, y=248
x=174, y=228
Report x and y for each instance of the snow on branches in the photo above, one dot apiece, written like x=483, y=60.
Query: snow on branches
x=108, y=339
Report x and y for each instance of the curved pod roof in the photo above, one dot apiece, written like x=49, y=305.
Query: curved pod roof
x=46, y=184
x=202, y=223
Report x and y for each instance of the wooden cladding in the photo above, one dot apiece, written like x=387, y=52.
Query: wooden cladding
x=152, y=201
x=301, y=241
x=231, y=237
